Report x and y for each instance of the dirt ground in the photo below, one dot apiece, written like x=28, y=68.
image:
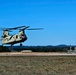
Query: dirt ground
x=37, y=65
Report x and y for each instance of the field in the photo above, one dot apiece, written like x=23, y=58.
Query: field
x=38, y=65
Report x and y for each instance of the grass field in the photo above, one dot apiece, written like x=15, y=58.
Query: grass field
x=51, y=65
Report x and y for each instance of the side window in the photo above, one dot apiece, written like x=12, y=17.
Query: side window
x=16, y=36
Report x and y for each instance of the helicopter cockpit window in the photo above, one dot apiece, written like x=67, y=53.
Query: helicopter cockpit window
x=5, y=33
x=4, y=36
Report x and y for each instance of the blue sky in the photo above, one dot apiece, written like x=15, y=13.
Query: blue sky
x=57, y=17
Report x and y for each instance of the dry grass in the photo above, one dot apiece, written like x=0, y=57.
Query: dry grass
x=53, y=65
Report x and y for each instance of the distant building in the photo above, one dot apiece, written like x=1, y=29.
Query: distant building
x=72, y=50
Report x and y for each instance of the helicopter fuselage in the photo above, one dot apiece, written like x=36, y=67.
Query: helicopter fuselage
x=13, y=39
x=17, y=38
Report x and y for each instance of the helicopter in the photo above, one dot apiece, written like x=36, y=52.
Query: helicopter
x=16, y=38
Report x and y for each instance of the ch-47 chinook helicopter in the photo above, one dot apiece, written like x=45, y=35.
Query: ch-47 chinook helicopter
x=17, y=38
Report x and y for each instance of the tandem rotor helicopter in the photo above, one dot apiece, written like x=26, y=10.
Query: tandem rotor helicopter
x=17, y=38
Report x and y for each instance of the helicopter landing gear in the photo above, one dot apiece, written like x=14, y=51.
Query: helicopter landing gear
x=11, y=44
x=20, y=44
x=2, y=44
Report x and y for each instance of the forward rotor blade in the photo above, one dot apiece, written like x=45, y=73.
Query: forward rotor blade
x=2, y=28
x=15, y=28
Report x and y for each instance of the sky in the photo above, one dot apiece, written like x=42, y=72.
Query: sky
x=57, y=17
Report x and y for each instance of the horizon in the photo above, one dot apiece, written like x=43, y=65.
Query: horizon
x=38, y=45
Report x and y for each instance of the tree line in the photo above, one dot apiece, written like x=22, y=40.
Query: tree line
x=45, y=48
x=37, y=48
x=4, y=49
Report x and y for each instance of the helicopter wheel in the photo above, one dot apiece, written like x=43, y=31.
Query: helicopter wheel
x=20, y=44
x=11, y=44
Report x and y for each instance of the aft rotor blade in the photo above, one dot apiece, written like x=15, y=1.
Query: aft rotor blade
x=24, y=28
x=34, y=29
